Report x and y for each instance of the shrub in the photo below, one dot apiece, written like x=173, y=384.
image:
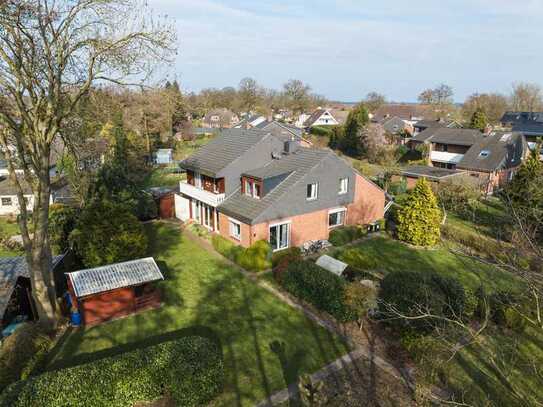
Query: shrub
x=145, y=207
x=20, y=353
x=292, y=253
x=346, y=234
x=62, y=221
x=323, y=289
x=320, y=131
x=255, y=258
x=108, y=233
x=190, y=369
x=413, y=293
x=419, y=219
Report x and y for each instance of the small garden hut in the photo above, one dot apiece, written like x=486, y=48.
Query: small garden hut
x=115, y=290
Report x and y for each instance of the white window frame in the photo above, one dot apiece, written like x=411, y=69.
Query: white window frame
x=248, y=188
x=343, y=191
x=314, y=191
x=198, y=180
x=232, y=222
x=337, y=210
x=288, y=223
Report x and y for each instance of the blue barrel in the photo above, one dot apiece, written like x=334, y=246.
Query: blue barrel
x=76, y=318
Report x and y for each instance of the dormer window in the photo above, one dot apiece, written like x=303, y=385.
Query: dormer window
x=312, y=191
x=343, y=186
x=252, y=188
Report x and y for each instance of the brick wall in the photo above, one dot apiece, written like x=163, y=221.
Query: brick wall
x=368, y=205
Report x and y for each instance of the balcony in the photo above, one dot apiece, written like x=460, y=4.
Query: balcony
x=201, y=195
x=444, y=157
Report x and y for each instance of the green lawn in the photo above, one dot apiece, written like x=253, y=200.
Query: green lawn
x=387, y=255
x=204, y=294
x=162, y=177
x=470, y=373
x=8, y=227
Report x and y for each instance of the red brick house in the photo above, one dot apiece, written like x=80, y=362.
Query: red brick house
x=250, y=185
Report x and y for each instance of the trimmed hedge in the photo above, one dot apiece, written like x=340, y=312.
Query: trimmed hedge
x=292, y=253
x=477, y=242
x=323, y=289
x=346, y=234
x=320, y=131
x=190, y=369
x=255, y=258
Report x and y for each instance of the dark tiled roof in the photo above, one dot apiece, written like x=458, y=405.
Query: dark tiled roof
x=297, y=165
x=11, y=268
x=403, y=111
x=8, y=188
x=223, y=150
x=529, y=128
x=282, y=131
x=496, y=151
x=522, y=117
x=445, y=135
x=432, y=173
x=425, y=124
x=314, y=117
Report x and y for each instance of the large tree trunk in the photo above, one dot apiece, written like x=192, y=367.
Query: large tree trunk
x=39, y=258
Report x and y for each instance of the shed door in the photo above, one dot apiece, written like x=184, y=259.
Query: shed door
x=182, y=208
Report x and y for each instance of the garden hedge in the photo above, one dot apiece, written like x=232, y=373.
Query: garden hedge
x=346, y=234
x=190, y=369
x=323, y=289
x=255, y=258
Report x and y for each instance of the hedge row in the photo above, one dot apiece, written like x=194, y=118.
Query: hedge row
x=474, y=241
x=190, y=369
x=313, y=284
x=255, y=258
x=346, y=234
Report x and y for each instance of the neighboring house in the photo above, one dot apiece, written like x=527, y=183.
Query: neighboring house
x=116, y=290
x=254, y=186
x=221, y=118
x=163, y=156
x=300, y=121
x=400, y=130
x=340, y=115
x=492, y=158
x=422, y=125
x=320, y=117
x=9, y=203
x=530, y=124
x=410, y=113
x=250, y=122
x=285, y=132
x=412, y=173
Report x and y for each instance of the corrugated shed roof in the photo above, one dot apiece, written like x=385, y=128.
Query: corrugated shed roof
x=113, y=276
x=11, y=268
x=297, y=165
x=223, y=150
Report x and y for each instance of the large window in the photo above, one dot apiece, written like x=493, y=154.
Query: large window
x=279, y=236
x=6, y=201
x=336, y=217
x=235, y=229
x=312, y=191
x=343, y=185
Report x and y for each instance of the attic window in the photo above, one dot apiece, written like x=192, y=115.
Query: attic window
x=484, y=154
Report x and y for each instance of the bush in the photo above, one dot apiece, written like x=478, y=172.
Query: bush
x=108, y=233
x=190, y=369
x=255, y=258
x=419, y=218
x=346, y=234
x=62, y=221
x=22, y=353
x=412, y=293
x=145, y=207
x=323, y=289
x=320, y=131
x=292, y=253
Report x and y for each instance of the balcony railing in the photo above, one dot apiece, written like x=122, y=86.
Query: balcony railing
x=201, y=195
x=444, y=157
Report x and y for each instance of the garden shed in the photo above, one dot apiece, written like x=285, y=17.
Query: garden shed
x=115, y=290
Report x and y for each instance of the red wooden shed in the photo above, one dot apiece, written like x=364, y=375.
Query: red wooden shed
x=115, y=290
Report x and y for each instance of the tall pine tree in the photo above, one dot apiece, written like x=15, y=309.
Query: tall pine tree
x=356, y=122
x=420, y=217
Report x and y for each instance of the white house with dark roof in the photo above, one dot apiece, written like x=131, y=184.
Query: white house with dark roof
x=321, y=117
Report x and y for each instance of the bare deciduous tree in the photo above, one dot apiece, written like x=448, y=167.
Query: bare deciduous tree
x=51, y=53
x=526, y=97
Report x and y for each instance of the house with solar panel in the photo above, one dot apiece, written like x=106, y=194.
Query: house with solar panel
x=104, y=293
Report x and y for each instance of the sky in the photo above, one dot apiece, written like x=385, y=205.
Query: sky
x=344, y=49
